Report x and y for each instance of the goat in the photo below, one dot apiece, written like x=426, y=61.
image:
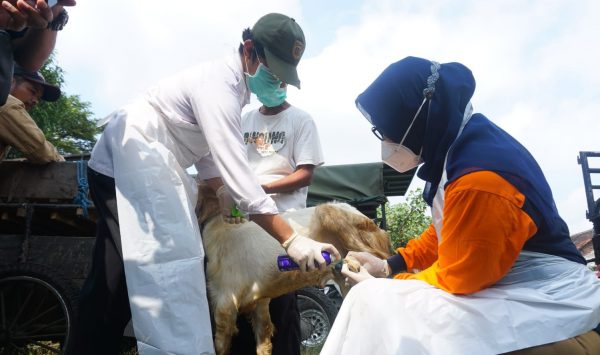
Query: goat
x=242, y=273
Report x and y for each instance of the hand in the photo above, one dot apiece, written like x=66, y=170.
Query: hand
x=307, y=252
x=10, y=17
x=37, y=14
x=228, y=207
x=352, y=278
x=375, y=266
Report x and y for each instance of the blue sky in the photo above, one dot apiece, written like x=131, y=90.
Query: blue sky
x=534, y=62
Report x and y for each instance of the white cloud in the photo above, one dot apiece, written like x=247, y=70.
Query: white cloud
x=534, y=63
x=114, y=50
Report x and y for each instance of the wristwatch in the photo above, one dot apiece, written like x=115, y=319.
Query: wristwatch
x=59, y=22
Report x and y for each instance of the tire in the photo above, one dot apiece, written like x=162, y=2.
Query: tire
x=331, y=291
x=317, y=313
x=37, y=310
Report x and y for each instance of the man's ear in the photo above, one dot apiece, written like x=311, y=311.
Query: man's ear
x=248, y=48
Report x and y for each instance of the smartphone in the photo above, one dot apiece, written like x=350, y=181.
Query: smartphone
x=51, y=2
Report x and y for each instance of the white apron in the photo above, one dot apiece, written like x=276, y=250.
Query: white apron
x=162, y=248
x=543, y=299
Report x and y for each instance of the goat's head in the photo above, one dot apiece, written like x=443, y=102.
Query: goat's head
x=349, y=230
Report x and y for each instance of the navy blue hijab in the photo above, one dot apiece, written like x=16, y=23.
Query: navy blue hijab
x=391, y=102
x=393, y=99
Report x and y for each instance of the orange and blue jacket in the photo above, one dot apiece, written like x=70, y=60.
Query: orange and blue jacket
x=497, y=202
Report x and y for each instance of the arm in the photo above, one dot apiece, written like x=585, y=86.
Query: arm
x=216, y=105
x=307, y=155
x=32, y=50
x=20, y=131
x=300, y=178
x=484, y=231
x=274, y=225
x=217, y=109
x=419, y=253
x=271, y=223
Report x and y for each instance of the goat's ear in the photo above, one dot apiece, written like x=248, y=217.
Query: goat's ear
x=367, y=225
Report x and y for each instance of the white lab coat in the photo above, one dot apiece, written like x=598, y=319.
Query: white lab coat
x=146, y=147
x=543, y=299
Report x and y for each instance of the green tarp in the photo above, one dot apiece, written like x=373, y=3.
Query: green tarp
x=361, y=185
x=353, y=183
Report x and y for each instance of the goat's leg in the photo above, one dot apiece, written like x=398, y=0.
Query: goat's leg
x=263, y=327
x=225, y=326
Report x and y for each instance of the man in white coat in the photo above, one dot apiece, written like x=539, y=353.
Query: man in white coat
x=148, y=258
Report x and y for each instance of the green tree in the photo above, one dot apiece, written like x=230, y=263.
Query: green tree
x=406, y=220
x=66, y=123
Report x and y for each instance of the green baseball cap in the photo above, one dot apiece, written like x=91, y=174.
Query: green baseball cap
x=283, y=41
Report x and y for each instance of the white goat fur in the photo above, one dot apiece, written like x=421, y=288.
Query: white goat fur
x=242, y=269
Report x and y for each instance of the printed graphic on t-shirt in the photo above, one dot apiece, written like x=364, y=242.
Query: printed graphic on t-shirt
x=266, y=143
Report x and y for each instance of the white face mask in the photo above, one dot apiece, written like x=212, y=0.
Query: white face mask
x=398, y=156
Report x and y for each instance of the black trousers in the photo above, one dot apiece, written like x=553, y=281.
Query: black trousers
x=286, y=319
x=103, y=303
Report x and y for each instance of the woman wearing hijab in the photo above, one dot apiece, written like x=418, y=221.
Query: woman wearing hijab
x=496, y=271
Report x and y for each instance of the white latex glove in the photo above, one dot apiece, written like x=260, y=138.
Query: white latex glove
x=307, y=252
x=375, y=266
x=228, y=207
x=352, y=278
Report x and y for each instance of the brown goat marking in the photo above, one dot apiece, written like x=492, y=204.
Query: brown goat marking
x=264, y=329
x=224, y=318
x=355, y=232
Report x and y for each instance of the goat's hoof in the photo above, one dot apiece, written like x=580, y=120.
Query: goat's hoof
x=353, y=264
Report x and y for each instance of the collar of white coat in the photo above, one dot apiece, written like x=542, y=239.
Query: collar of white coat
x=234, y=62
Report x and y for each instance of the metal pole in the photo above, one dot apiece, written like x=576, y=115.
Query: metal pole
x=383, y=218
x=592, y=212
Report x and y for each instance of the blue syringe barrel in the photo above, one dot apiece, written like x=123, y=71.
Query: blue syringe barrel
x=285, y=263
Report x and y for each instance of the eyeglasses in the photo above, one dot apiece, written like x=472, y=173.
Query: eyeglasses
x=377, y=133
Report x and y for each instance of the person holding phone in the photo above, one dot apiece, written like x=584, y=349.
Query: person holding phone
x=28, y=34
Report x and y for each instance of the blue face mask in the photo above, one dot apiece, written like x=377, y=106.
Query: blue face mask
x=267, y=87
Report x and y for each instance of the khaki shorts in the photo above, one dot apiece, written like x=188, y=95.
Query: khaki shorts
x=584, y=344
